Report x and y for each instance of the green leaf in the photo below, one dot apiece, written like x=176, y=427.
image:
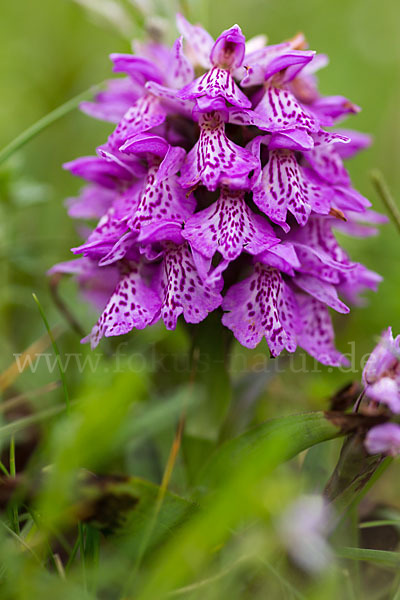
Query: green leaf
x=292, y=435
x=230, y=485
x=354, y=474
x=126, y=505
x=382, y=523
x=383, y=557
x=210, y=344
x=109, y=414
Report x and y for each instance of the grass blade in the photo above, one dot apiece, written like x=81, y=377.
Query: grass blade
x=34, y=130
x=382, y=557
x=56, y=352
x=385, y=195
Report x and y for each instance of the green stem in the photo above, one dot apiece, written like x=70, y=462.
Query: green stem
x=81, y=530
x=56, y=352
x=74, y=552
x=396, y=587
x=59, y=112
x=4, y=469
x=387, y=198
x=13, y=472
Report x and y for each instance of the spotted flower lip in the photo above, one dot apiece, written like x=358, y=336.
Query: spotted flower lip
x=220, y=189
x=215, y=160
x=229, y=227
x=215, y=84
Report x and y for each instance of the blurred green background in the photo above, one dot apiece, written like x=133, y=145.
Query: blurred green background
x=50, y=50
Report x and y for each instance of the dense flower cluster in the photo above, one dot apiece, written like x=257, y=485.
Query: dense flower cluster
x=220, y=188
x=381, y=378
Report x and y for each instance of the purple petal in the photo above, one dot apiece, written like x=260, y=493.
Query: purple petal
x=145, y=114
x=244, y=116
x=354, y=226
x=169, y=98
x=171, y=163
x=357, y=280
x=102, y=239
x=160, y=201
x=214, y=278
x=327, y=163
x=322, y=291
x=215, y=83
x=334, y=107
x=358, y=141
x=281, y=111
x=318, y=62
x=111, y=104
x=215, y=160
x=183, y=290
x=92, y=202
x=144, y=144
x=347, y=198
x=318, y=251
x=97, y=170
x=385, y=391
x=139, y=68
x=262, y=306
x=282, y=187
x=157, y=53
x=228, y=51
x=96, y=285
x=384, y=357
x=133, y=304
x=320, y=194
x=257, y=62
x=130, y=163
x=292, y=62
x=180, y=71
x=111, y=226
x=78, y=266
x=251, y=75
x=323, y=138
x=283, y=257
x=384, y=439
x=125, y=247
x=161, y=231
x=317, y=335
x=229, y=226
x=296, y=139
x=199, y=40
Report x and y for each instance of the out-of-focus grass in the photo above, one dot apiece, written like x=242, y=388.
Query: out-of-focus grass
x=127, y=397
x=53, y=51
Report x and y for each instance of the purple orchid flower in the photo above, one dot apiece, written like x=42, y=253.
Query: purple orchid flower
x=381, y=378
x=219, y=188
x=381, y=374
x=384, y=439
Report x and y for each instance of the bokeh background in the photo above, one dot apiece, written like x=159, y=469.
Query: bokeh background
x=50, y=51
x=53, y=49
